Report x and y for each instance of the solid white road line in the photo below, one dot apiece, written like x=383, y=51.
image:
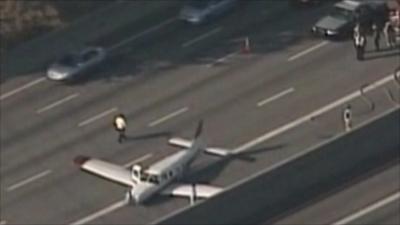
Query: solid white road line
x=167, y=117
x=100, y=213
x=368, y=209
x=222, y=59
x=275, y=97
x=28, y=180
x=98, y=116
x=307, y=117
x=193, y=41
x=305, y=52
x=17, y=90
x=57, y=103
x=140, y=159
x=136, y=36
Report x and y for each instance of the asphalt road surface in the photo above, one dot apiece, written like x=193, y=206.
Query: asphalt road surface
x=165, y=77
x=373, y=199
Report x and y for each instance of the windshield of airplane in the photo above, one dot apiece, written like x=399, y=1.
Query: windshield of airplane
x=341, y=13
x=151, y=178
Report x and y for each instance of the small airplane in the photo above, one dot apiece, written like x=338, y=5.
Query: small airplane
x=161, y=177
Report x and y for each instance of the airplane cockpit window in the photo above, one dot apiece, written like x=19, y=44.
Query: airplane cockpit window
x=154, y=179
x=144, y=177
x=135, y=173
x=151, y=178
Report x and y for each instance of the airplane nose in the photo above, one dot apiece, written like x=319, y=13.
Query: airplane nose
x=138, y=199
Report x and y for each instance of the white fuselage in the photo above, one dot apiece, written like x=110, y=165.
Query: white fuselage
x=167, y=170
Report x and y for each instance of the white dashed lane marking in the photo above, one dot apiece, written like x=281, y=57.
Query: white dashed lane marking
x=28, y=180
x=57, y=103
x=139, y=35
x=275, y=97
x=222, y=59
x=201, y=37
x=305, y=52
x=167, y=117
x=26, y=86
x=96, y=117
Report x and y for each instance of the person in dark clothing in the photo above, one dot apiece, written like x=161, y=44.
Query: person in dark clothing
x=119, y=124
x=377, y=35
x=359, y=42
x=390, y=34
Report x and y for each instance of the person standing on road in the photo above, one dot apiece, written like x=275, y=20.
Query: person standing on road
x=347, y=117
x=390, y=34
x=377, y=28
x=359, y=42
x=120, y=126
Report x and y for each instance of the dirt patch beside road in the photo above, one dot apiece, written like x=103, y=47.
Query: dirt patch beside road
x=21, y=20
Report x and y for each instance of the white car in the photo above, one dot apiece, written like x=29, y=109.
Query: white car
x=73, y=65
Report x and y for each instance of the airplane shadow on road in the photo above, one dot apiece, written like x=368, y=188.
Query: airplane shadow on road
x=147, y=136
x=209, y=171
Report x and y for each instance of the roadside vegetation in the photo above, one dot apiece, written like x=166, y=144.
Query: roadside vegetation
x=22, y=20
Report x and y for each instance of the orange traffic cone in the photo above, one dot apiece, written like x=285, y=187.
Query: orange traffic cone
x=246, y=46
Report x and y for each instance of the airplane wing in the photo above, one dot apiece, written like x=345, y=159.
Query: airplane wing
x=189, y=190
x=184, y=143
x=107, y=170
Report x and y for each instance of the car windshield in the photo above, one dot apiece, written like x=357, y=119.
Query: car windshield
x=69, y=60
x=86, y=56
x=198, y=4
x=341, y=13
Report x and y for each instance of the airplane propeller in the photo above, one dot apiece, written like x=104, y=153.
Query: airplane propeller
x=129, y=196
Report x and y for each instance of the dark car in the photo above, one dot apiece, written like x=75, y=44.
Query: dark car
x=201, y=11
x=71, y=65
x=342, y=18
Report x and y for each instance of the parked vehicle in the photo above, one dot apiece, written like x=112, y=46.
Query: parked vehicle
x=343, y=16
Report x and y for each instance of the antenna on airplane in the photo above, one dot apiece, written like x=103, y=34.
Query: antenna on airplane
x=199, y=129
x=193, y=194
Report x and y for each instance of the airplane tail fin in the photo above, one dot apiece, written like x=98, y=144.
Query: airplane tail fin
x=199, y=129
x=198, y=143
